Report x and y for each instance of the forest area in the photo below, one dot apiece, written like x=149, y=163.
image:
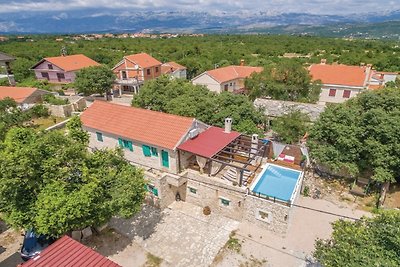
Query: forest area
x=199, y=54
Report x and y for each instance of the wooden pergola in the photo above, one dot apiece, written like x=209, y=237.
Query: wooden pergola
x=238, y=151
x=242, y=153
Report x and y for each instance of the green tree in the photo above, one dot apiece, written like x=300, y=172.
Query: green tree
x=21, y=68
x=285, y=80
x=360, y=136
x=94, y=80
x=180, y=97
x=367, y=242
x=291, y=127
x=52, y=183
x=75, y=131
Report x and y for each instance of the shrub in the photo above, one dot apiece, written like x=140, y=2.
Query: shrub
x=39, y=111
x=53, y=100
x=306, y=191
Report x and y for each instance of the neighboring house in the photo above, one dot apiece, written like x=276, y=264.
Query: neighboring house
x=5, y=61
x=62, y=69
x=148, y=138
x=229, y=78
x=174, y=69
x=24, y=96
x=68, y=252
x=133, y=70
x=340, y=82
x=378, y=79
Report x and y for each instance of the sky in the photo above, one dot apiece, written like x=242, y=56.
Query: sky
x=329, y=7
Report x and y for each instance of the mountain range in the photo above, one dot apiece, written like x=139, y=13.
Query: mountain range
x=95, y=20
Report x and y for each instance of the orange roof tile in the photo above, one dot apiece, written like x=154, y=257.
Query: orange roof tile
x=19, y=94
x=72, y=62
x=147, y=126
x=229, y=73
x=338, y=74
x=375, y=86
x=144, y=60
x=171, y=66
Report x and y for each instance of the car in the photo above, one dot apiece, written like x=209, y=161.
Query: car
x=33, y=244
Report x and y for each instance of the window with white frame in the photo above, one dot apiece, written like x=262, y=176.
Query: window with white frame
x=224, y=202
x=192, y=190
x=263, y=215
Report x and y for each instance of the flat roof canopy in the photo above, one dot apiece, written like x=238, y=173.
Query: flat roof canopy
x=209, y=143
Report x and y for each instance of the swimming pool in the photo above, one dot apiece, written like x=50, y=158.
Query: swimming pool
x=277, y=182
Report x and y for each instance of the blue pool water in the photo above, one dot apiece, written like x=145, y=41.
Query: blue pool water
x=277, y=182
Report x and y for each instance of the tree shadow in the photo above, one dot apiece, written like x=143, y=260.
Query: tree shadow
x=12, y=260
x=120, y=232
x=3, y=226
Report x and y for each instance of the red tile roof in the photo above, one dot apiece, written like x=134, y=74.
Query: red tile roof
x=375, y=86
x=171, y=66
x=144, y=60
x=209, y=142
x=146, y=126
x=19, y=94
x=68, y=252
x=339, y=74
x=229, y=73
x=71, y=63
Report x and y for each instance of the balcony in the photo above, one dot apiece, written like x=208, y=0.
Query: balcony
x=132, y=82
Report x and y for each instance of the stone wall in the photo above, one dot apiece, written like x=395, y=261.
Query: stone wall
x=278, y=215
x=211, y=192
x=277, y=108
x=75, y=105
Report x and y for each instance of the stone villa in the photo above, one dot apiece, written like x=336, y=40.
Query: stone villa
x=185, y=159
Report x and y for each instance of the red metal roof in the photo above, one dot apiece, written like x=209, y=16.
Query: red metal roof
x=68, y=252
x=147, y=126
x=209, y=142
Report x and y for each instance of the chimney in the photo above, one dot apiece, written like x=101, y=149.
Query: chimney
x=254, y=144
x=228, y=125
x=242, y=62
x=323, y=61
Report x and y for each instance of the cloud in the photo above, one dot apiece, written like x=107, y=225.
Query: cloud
x=339, y=7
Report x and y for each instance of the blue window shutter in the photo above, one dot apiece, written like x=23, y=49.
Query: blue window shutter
x=154, y=151
x=165, y=158
x=146, y=151
x=130, y=146
x=155, y=192
x=120, y=142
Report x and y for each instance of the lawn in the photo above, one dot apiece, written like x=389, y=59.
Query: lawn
x=44, y=123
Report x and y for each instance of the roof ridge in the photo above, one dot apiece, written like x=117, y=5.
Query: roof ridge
x=143, y=109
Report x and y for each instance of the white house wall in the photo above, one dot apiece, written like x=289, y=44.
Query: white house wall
x=135, y=156
x=338, y=98
x=209, y=82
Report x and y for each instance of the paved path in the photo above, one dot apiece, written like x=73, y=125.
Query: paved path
x=305, y=227
x=183, y=237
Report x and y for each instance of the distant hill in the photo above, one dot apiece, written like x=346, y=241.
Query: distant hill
x=382, y=30
x=372, y=25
